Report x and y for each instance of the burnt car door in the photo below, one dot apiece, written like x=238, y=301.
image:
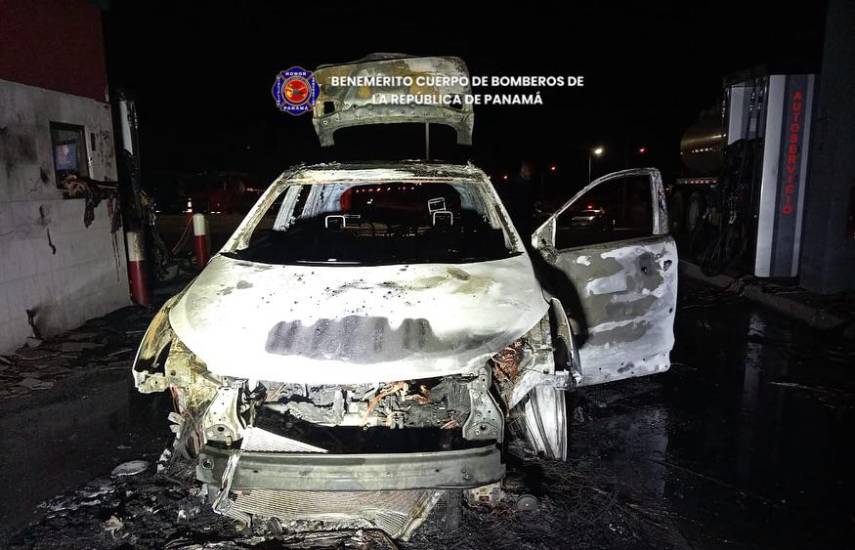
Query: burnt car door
x=615, y=274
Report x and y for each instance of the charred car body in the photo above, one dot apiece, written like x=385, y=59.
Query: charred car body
x=373, y=336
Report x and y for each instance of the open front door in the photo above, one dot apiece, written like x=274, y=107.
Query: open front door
x=616, y=270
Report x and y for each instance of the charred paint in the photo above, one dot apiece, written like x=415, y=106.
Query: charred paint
x=626, y=293
x=428, y=320
x=363, y=340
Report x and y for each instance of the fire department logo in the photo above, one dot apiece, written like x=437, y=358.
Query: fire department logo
x=295, y=91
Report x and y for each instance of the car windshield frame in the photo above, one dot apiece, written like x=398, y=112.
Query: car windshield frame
x=495, y=214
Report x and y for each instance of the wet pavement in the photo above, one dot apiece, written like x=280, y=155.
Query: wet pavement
x=87, y=417
x=745, y=443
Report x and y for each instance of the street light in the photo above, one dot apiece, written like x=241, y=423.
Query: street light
x=597, y=151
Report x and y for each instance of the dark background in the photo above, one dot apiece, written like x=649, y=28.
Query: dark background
x=202, y=73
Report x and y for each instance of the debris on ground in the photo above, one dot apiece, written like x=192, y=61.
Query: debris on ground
x=114, y=526
x=34, y=383
x=546, y=503
x=130, y=468
x=130, y=511
x=578, y=501
x=102, y=343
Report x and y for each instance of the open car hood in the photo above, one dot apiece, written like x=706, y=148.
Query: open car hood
x=344, y=106
x=347, y=325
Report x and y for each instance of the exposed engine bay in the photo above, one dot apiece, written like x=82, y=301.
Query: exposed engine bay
x=354, y=418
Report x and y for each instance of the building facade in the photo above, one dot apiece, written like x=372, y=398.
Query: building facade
x=56, y=269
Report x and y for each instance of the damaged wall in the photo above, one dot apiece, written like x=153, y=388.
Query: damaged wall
x=50, y=263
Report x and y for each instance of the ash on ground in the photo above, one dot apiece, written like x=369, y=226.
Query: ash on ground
x=561, y=502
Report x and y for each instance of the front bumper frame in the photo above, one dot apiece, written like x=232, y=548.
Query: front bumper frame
x=458, y=469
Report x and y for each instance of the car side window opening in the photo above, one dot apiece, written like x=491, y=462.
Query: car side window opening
x=615, y=210
x=375, y=223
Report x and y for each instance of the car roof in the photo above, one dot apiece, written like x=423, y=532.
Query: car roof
x=406, y=170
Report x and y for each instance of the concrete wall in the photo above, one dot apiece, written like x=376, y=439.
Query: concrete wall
x=828, y=253
x=49, y=261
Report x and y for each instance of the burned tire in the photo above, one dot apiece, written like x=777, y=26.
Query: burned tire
x=539, y=423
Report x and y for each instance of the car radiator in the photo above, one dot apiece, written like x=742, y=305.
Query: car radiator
x=398, y=513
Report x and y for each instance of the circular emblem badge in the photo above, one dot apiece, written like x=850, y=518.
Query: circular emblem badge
x=295, y=90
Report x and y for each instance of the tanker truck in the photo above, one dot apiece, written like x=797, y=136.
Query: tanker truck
x=738, y=201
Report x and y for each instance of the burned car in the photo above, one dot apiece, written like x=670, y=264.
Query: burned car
x=374, y=337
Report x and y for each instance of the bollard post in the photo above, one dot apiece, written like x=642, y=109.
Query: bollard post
x=200, y=239
x=137, y=268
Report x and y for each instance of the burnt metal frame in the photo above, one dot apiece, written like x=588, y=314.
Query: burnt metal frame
x=457, y=469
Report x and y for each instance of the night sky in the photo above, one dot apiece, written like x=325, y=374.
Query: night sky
x=202, y=73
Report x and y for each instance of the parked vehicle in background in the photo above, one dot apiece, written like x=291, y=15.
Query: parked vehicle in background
x=594, y=218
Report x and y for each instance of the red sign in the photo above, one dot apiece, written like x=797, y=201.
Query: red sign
x=792, y=146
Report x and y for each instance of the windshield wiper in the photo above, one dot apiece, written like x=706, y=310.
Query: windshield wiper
x=332, y=261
